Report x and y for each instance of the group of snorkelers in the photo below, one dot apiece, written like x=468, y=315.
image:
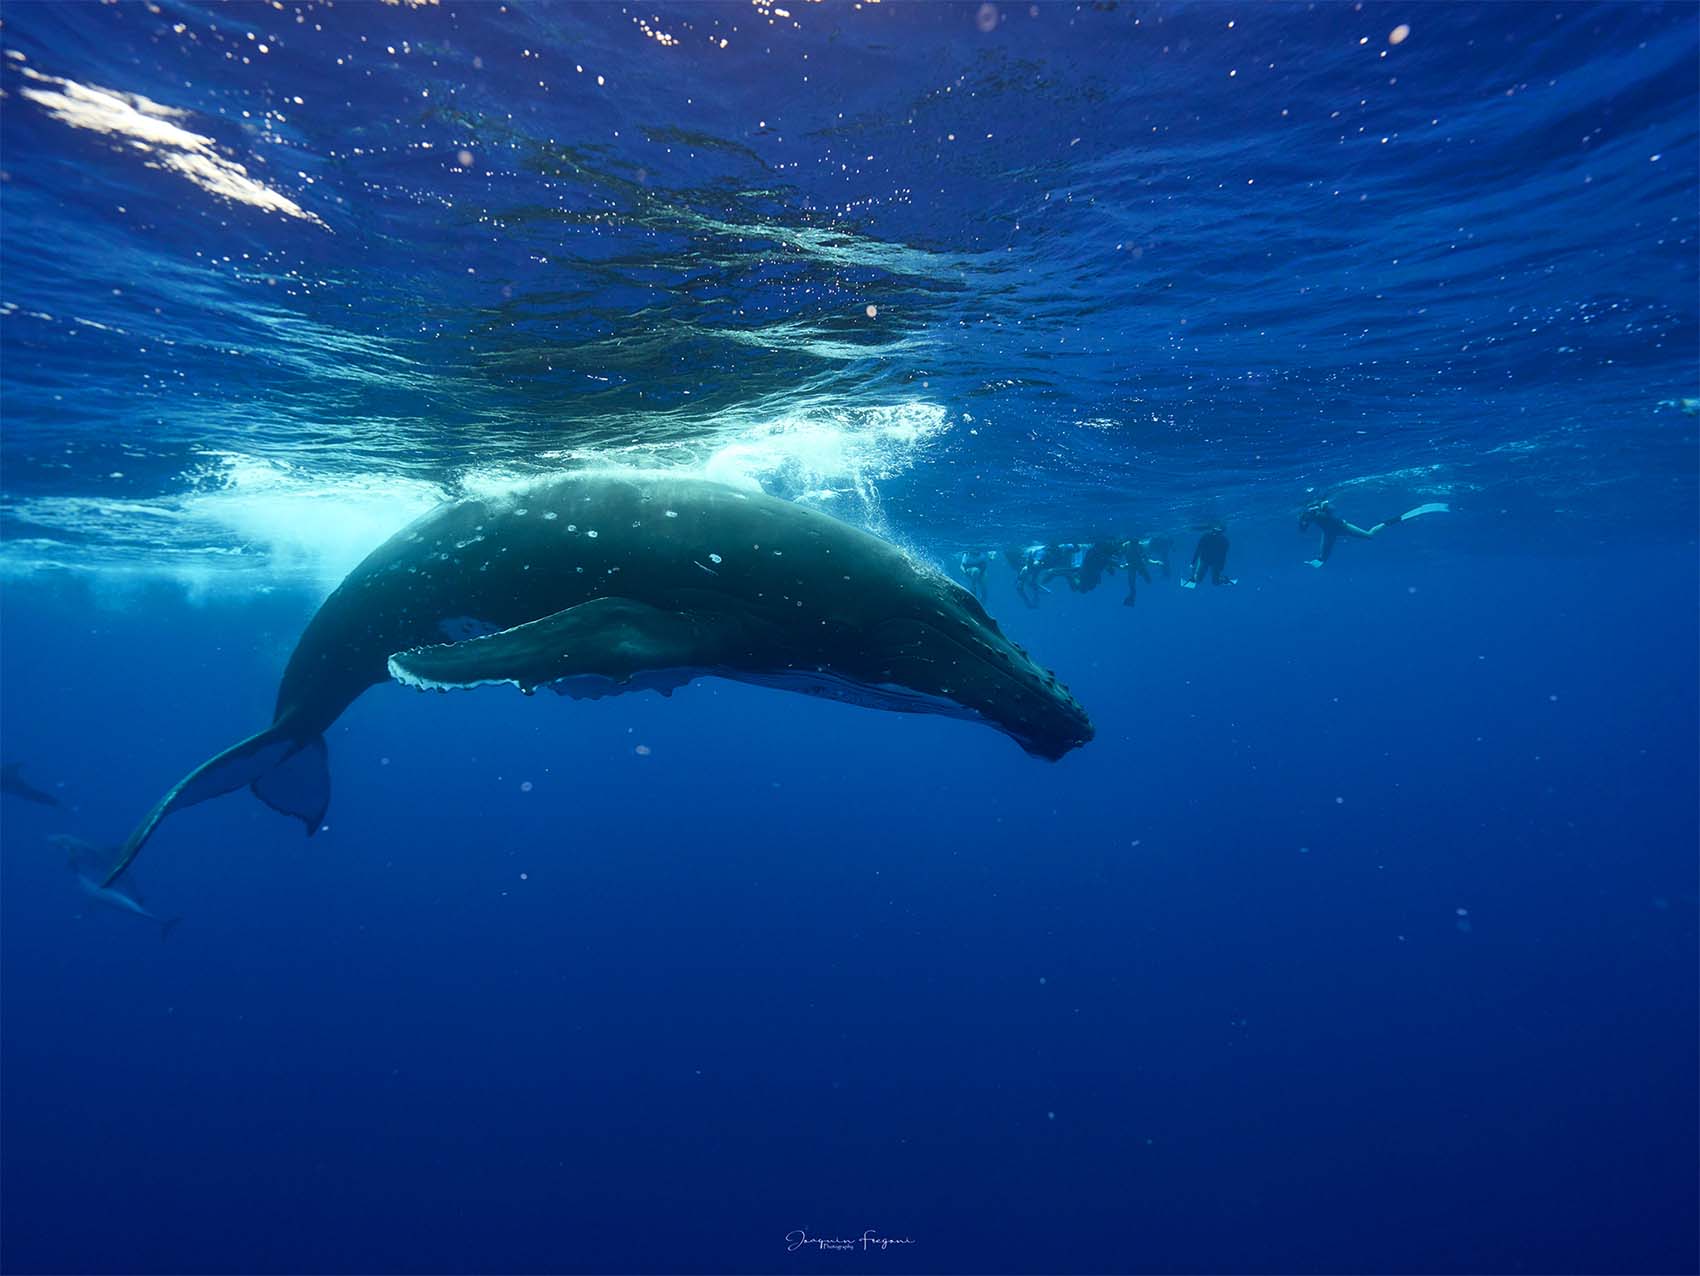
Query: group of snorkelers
x=1084, y=564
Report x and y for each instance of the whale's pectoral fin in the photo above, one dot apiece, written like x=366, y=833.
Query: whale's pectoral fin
x=608, y=639
x=300, y=785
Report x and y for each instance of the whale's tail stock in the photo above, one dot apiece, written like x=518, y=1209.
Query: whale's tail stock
x=286, y=771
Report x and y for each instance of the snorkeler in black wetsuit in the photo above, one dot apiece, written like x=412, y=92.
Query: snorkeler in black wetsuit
x=1138, y=569
x=974, y=563
x=1096, y=559
x=1321, y=514
x=1211, y=556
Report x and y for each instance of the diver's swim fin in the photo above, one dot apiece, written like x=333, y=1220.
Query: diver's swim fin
x=1433, y=507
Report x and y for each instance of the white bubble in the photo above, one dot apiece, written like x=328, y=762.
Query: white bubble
x=525, y=787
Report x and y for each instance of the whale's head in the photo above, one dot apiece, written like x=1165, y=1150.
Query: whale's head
x=942, y=653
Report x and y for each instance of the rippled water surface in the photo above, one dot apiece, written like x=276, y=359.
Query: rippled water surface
x=276, y=278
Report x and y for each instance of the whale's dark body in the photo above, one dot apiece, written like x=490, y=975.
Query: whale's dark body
x=599, y=583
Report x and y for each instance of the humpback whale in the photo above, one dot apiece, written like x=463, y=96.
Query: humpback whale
x=594, y=584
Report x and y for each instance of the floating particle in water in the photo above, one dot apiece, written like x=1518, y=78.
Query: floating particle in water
x=1041, y=979
x=525, y=786
x=591, y=533
x=464, y=158
x=383, y=761
x=1304, y=850
x=525, y=877
x=1462, y=912
x=1399, y=34
x=642, y=750
x=986, y=17
x=1050, y=1116
x=714, y=558
x=1553, y=697
x=1339, y=801
x=873, y=312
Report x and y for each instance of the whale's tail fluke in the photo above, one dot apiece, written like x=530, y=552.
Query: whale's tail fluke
x=285, y=771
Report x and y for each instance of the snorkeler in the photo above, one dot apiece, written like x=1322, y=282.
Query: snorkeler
x=1097, y=558
x=1321, y=514
x=1061, y=559
x=1157, y=550
x=973, y=564
x=1138, y=568
x=1028, y=563
x=1211, y=555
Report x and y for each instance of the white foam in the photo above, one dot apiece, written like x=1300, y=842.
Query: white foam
x=241, y=515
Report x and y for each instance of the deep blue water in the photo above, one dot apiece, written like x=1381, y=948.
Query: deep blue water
x=1361, y=938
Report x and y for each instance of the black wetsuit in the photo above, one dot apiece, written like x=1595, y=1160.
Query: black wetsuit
x=1136, y=571
x=1333, y=528
x=1098, y=558
x=1211, y=556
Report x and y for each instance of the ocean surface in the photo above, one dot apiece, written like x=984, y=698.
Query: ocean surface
x=1362, y=938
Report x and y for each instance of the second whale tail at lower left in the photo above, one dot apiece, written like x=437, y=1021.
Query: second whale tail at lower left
x=286, y=771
